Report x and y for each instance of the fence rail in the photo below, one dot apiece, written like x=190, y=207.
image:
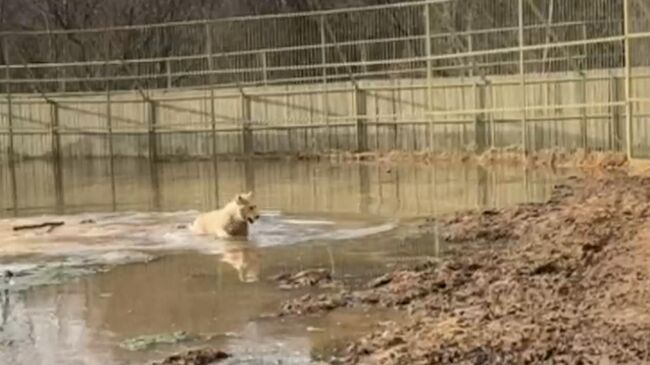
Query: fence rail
x=434, y=75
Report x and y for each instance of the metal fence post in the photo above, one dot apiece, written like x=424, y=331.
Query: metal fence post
x=264, y=100
x=615, y=110
x=111, y=151
x=287, y=118
x=109, y=109
x=263, y=61
x=582, y=97
x=168, y=70
x=522, y=78
x=153, y=122
x=109, y=120
x=480, y=135
x=584, y=38
x=470, y=46
x=54, y=130
x=10, y=127
x=10, y=119
x=324, y=93
x=213, y=119
x=361, y=119
x=427, y=47
x=628, y=80
x=247, y=133
x=109, y=125
x=56, y=156
x=493, y=128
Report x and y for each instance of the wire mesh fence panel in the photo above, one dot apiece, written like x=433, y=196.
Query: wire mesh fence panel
x=638, y=28
x=426, y=74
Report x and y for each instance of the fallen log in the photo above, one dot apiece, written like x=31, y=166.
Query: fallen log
x=52, y=225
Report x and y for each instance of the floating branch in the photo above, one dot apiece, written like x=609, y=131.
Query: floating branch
x=52, y=225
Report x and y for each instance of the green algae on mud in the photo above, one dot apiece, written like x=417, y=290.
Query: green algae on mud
x=147, y=341
x=204, y=356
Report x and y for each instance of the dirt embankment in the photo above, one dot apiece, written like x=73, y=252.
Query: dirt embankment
x=554, y=158
x=195, y=357
x=570, y=284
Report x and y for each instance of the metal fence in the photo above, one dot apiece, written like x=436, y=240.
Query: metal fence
x=436, y=75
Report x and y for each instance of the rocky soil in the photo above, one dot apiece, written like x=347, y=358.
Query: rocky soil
x=319, y=278
x=589, y=160
x=195, y=357
x=568, y=283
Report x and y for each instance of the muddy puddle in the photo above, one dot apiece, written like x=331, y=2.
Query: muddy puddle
x=123, y=268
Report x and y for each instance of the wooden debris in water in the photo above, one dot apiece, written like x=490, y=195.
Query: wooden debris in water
x=51, y=225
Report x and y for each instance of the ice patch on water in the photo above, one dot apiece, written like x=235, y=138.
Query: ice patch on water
x=270, y=213
x=113, y=258
x=309, y=222
x=346, y=234
x=121, y=238
x=47, y=270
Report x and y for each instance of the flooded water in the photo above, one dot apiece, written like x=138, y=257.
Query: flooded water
x=124, y=266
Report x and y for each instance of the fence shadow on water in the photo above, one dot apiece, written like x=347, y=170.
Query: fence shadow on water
x=36, y=187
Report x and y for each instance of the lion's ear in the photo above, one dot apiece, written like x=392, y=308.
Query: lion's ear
x=240, y=199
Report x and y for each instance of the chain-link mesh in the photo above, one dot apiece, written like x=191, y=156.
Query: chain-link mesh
x=478, y=37
x=425, y=74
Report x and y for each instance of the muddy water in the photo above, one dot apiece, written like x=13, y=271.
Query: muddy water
x=83, y=289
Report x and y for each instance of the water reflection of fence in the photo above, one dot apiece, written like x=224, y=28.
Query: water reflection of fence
x=411, y=76
x=307, y=188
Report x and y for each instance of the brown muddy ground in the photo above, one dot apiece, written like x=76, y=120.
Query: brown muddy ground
x=319, y=278
x=568, y=283
x=554, y=158
x=195, y=357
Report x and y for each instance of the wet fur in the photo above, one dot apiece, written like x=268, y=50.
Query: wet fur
x=230, y=221
x=236, y=228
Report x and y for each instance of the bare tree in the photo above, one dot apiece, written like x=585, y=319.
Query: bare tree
x=449, y=22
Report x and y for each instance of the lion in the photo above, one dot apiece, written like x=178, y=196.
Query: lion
x=230, y=221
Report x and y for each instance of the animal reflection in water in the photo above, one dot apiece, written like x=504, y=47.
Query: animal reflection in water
x=245, y=257
x=231, y=223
